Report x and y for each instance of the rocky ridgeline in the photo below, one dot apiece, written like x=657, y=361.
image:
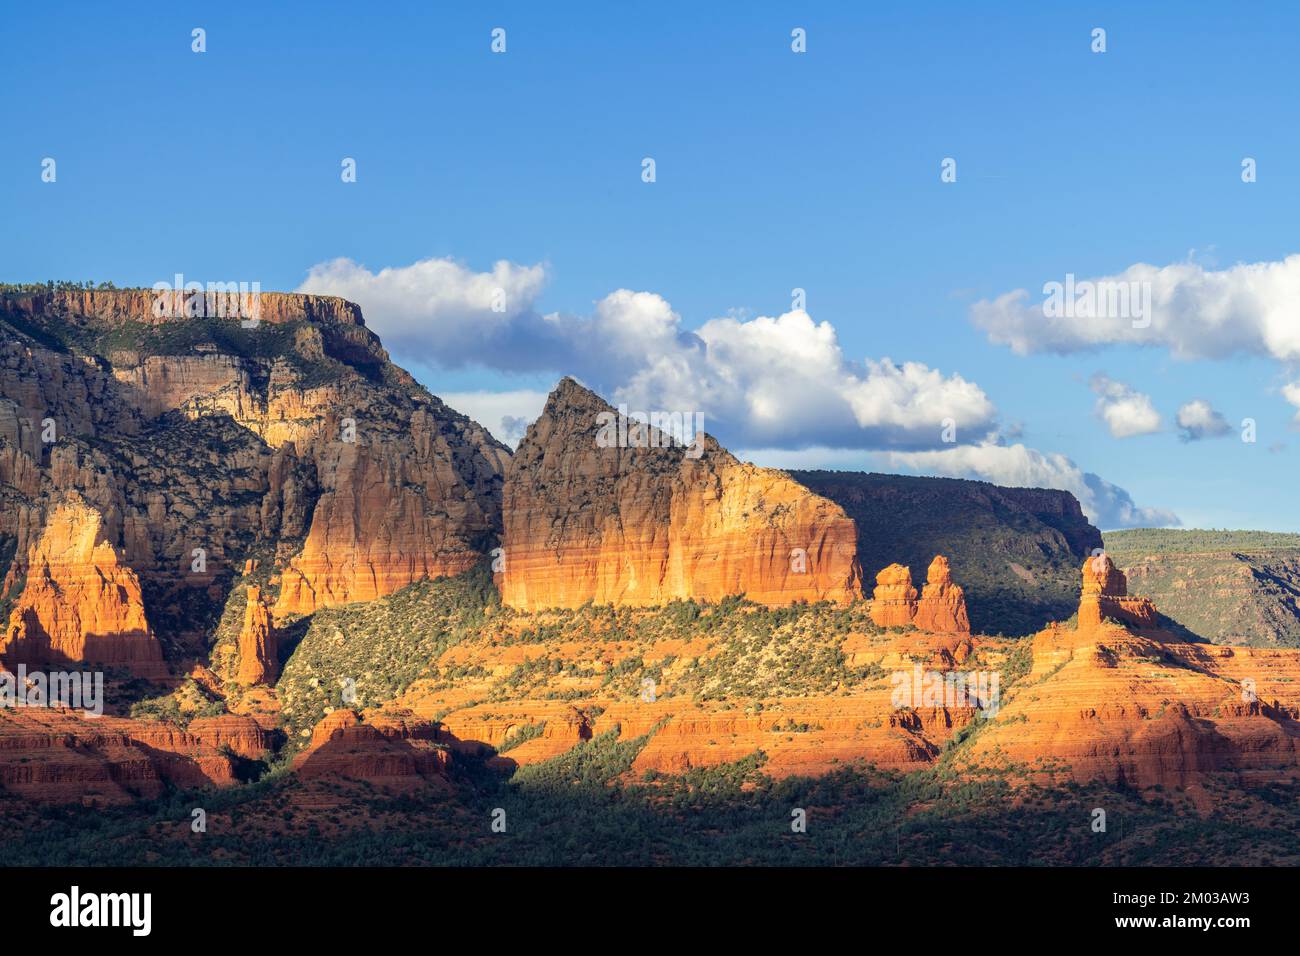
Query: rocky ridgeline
x=647, y=525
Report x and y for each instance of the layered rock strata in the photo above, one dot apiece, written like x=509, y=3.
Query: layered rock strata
x=647, y=522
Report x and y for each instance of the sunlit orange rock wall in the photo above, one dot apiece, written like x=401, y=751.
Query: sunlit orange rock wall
x=645, y=525
x=79, y=604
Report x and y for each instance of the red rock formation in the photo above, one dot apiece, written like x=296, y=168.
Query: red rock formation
x=308, y=444
x=258, y=655
x=386, y=749
x=386, y=522
x=63, y=756
x=1104, y=703
x=893, y=603
x=1105, y=595
x=79, y=604
x=942, y=606
x=590, y=521
x=243, y=735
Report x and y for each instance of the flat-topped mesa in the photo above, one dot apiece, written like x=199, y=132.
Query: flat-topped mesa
x=942, y=607
x=79, y=603
x=155, y=307
x=597, y=508
x=893, y=602
x=1105, y=595
x=289, y=431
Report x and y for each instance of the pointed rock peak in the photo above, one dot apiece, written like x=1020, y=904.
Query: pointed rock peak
x=572, y=410
x=939, y=572
x=570, y=395
x=612, y=505
x=942, y=608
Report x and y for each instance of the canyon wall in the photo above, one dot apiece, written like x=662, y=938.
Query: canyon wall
x=201, y=441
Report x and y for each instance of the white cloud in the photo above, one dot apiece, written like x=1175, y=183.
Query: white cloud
x=782, y=381
x=781, y=384
x=1107, y=505
x=1291, y=392
x=433, y=304
x=1196, y=313
x=506, y=415
x=1126, y=411
x=1199, y=420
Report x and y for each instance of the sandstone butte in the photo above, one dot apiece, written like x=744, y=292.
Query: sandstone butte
x=258, y=656
x=941, y=606
x=79, y=604
x=303, y=442
x=648, y=525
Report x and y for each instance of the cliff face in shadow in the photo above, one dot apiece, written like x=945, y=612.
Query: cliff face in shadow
x=1016, y=551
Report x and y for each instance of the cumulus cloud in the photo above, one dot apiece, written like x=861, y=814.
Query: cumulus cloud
x=781, y=381
x=434, y=306
x=1126, y=411
x=506, y=415
x=1291, y=392
x=1199, y=420
x=1107, y=505
x=1195, y=313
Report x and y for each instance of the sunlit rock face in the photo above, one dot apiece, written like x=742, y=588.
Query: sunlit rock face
x=649, y=521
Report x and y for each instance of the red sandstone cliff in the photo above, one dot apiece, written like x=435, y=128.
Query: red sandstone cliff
x=63, y=756
x=200, y=441
x=646, y=525
x=78, y=604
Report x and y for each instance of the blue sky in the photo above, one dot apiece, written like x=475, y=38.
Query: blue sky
x=774, y=170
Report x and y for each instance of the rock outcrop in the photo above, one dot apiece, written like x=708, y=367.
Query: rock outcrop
x=893, y=602
x=942, y=606
x=1141, y=709
x=1105, y=595
x=241, y=735
x=202, y=441
x=78, y=604
x=258, y=655
x=389, y=750
x=588, y=520
x=1016, y=551
x=63, y=756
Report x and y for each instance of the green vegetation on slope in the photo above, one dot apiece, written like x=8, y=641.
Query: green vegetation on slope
x=1194, y=540
x=1229, y=587
x=380, y=646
